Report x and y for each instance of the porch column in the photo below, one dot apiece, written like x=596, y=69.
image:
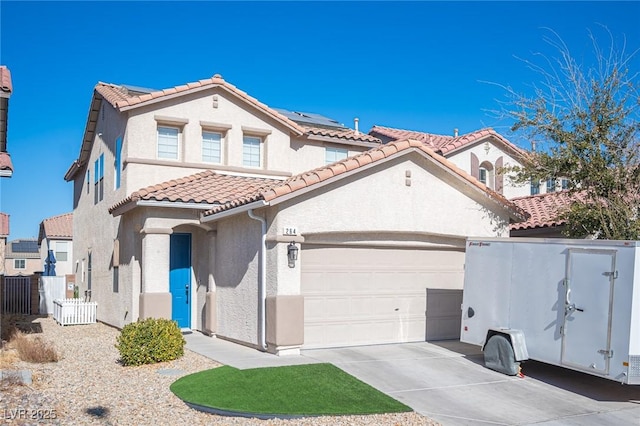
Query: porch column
x=155, y=298
x=210, y=319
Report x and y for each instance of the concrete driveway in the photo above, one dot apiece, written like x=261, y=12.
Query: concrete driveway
x=447, y=382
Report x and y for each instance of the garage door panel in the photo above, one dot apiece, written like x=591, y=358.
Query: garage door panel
x=359, y=296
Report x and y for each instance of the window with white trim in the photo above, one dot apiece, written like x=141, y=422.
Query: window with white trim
x=117, y=164
x=62, y=251
x=168, y=142
x=211, y=147
x=251, y=151
x=331, y=155
x=535, y=187
x=98, y=179
x=19, y=263
x=564, y=183
x=551, y=185
x=485, y=174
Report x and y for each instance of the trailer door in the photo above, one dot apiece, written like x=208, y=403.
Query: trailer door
x=586, y=340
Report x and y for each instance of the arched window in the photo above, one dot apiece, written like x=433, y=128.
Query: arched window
x=486, y=174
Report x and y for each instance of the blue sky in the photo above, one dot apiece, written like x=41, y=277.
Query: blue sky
x=415, y=65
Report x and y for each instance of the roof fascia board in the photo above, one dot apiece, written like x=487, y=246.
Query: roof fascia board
x=6, y=173
x=164, y=204
x=236, y=210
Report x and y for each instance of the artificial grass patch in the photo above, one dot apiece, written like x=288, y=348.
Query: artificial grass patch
x=315, y=389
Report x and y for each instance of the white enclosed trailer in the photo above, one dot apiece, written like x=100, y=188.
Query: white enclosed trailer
x=571, y=303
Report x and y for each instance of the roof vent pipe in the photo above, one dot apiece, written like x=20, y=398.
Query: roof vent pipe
x=455, y=133
x=355, y=124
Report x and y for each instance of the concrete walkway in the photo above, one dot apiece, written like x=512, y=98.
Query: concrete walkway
x=239, y=356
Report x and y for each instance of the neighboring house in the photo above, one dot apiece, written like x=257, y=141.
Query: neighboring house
x=6, y=88
x=56, y=245
x=22, y=257
x=4, y=234
x=280, y=229
x=482, y=154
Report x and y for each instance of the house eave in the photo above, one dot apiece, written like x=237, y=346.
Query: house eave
x=162, y=204
x=342, y=141
x=234, y=211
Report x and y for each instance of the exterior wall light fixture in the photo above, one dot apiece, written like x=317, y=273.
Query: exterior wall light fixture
x=292, y=254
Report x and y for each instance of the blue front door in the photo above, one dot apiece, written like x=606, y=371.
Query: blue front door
x=180, y=279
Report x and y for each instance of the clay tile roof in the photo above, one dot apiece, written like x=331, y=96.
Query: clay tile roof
x=4, y=225
x=59, y=227
x=344, y=134
x=5, y=161
x=205, y=188
x=543, y=209
x=120, y=97
x=445, y=144
x=316, y=176
x=5, y=80
x=432, y=140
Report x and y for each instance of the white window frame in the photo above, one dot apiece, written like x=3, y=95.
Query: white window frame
x=333, y=154
x=23, y=261
x=207, y=150
x=65, y=246
x=98, y=179
x=252, y=148
x=551, y=185
x=488, y=179
x=162, y=151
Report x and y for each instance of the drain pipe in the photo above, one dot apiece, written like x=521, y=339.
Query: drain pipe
x=262, y=289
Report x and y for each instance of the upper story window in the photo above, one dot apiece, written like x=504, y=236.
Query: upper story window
x=251, y=151
x=211, y=147
x=62, y=251
x=168, y=142
x=551, y=185
x=19, y=264
x=535, y=187
x=485, y=174
x=331, y=155
x=564, y=183
x=98, y=179
x=117, y=164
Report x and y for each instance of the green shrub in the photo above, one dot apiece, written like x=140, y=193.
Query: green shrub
x=150, y=341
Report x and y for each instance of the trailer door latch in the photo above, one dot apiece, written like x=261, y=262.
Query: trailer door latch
x=608, y=353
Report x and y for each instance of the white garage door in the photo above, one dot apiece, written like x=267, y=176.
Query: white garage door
x=359, y=296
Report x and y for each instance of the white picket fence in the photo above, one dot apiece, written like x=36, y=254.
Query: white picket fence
x=74, y=311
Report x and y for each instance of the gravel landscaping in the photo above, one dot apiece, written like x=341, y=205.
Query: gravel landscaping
x=88, y=386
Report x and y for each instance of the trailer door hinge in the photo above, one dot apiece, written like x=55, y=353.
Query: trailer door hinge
x=608, y=353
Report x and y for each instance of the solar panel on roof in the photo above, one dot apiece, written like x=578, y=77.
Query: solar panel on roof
x=310, y=118
x=24, y=247
x=138, y=89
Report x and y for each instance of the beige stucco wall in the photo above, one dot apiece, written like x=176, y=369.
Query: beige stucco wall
x=32, y=265
x=462, y=159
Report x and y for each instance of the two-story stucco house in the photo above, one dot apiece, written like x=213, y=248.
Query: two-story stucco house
x=22, y=257
x=275, y=229
x=55, y=239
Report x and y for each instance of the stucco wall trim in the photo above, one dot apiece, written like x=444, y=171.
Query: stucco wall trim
x=223, y=127
x=255, y=131
x=202, y=166
x=163, y=119
x=166, y=231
